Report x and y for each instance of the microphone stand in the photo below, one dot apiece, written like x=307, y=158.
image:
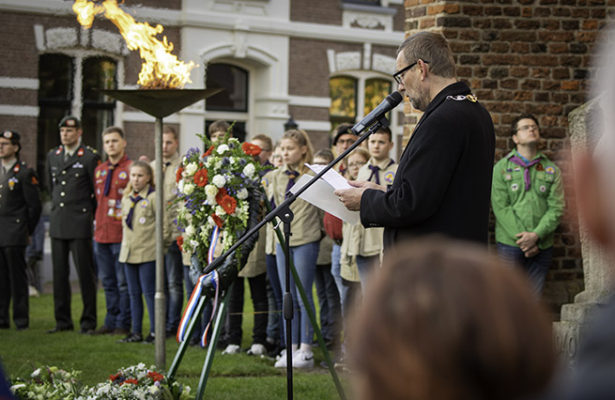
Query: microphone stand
x=284, y=213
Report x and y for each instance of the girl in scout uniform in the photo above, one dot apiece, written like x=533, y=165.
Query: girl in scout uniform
x=304, y=242
x=138, y=249
x=366, y=244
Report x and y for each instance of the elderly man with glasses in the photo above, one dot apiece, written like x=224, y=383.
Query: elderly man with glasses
x=443, y=181
x=528, y=202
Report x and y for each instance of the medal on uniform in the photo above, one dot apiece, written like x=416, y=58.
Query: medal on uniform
x=389, y=176
x=12, y=182
x=77, y=165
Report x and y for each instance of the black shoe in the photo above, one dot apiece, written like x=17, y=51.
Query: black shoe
x=60, y=329
x=132, y=338
x=103, y=330
x=121, y=331
x=86, y=331
x=150, y=338
x=22, y=328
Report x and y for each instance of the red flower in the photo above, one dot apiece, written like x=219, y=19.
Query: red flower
x=178, y=174
x=155, y=376
x=228, y=204
x=180, y=243
x=114, y=377
x=221, y=193
x=208, y=152
x=250, y=149
x=217, y=220
x=131, y=380
x=200, y=178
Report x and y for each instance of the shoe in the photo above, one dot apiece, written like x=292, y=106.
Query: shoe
x=281, y=359
x=303, y=359
x=86, y=331
x=32, y=292
x=150, y=338
x=22, y=328
x=60, y=329
x=103, y=330
x=132, y=338
x=232, y=349
x=257, y=349
x=121, y=331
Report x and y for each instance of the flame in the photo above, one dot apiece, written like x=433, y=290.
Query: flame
x=160, y=68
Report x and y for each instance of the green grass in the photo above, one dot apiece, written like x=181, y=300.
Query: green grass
x=232, y=376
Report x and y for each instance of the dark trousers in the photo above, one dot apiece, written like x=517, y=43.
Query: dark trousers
x=535, y=267
x=258, y=291
x=13, y=283
x=330, y=309
x=81, y=250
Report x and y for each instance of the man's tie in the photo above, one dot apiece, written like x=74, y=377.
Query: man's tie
x=526, y=169
x=375, y=169
x=109, y=178
x=134, y=200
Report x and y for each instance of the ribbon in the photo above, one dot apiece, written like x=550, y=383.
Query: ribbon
x=194, y=299
x=212, y=244
x=526, y=169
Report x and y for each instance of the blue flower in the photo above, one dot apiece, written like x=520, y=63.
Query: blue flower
x=192, y=151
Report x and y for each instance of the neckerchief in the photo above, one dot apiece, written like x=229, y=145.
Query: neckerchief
x=526, y=169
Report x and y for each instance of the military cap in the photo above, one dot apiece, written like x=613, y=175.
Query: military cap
x=70, y=122
x=13, y=136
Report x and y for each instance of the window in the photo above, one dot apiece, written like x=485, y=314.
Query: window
x=354, y=97
x=58, y=78
x=231, y=104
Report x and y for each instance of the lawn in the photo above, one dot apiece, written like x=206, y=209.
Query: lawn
x=232, y=376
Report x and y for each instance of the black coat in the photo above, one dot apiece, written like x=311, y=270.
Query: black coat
x=20, y=205
x=71, y=185
x=443, y=182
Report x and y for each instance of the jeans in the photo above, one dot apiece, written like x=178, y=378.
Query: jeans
x=274, y=322
x=329, y=300
x=258, y=292
x=366, y=265
x=304, y=258
x=174, y=270
x=141, y=280
x=113, y=278
x=536, y=267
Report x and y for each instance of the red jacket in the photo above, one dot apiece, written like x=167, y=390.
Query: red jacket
x=108, y=218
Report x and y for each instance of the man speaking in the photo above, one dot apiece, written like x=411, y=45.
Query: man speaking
x=443, y=181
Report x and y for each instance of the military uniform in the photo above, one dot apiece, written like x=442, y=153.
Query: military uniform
x=71, y=183
x=20, y=209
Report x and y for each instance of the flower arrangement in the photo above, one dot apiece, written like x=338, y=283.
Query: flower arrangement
x=213, y=188
x=131, y=383
x=49, y=383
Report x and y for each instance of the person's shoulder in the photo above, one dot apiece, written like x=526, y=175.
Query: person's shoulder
x=54, y=152
x=502, y=161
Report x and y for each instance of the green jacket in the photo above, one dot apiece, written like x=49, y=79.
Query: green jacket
x=536, y=210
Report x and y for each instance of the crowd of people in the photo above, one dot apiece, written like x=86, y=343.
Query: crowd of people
x=439, y=318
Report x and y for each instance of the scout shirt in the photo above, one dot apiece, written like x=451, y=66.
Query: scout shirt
x=367, y=242
x=169, y=184
x=71, y=185
x=108, y=218
x=139, y=243
x=536, y=210
x=306, y=226
x=20, y=204
x=348, y=264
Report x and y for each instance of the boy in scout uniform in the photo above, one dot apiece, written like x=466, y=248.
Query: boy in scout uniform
x=20, y=209
x=70, y=174
x=366, y=243
x=528, y=201
x=111, y=180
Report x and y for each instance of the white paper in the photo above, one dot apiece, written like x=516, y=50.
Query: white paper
x=332, y=177
x=321, y=195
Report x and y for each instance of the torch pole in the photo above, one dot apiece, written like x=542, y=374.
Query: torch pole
x=160, y=333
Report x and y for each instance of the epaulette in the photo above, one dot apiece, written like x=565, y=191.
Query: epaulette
x=93, y=150
x=58, y=150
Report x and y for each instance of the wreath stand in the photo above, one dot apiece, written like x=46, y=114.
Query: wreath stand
x=284, y=213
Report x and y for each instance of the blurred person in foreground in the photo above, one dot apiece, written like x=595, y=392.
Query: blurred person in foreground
x=445, y=320
x=593, y=370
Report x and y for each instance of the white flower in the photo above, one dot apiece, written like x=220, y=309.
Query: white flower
x=194, y=244
x=218, y=164
x=222, y=148
x=220, y=211
x=219, y=181
x=190, y=230
x=242, y=194
x=249, y=170
x=188, y=188
x=210, y=162
x=234, y=160
x=211, y=190
x=191, y=169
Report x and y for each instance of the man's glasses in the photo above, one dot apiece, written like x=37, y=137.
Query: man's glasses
x=527, y=128
x=398, y=76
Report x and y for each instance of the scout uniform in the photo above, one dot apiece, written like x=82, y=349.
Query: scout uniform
x=138, y=233
x=20, y=209
x=367, y=242
x=533, y=205
x=71, y=184
x=169, y=184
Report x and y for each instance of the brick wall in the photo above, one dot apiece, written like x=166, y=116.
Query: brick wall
x=525, y=56
x=316, y=11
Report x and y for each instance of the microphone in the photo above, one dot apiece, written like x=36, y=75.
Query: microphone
x=390, y=102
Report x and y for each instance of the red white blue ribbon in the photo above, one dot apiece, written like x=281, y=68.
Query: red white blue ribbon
x=187, y=316
x=212, y=244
